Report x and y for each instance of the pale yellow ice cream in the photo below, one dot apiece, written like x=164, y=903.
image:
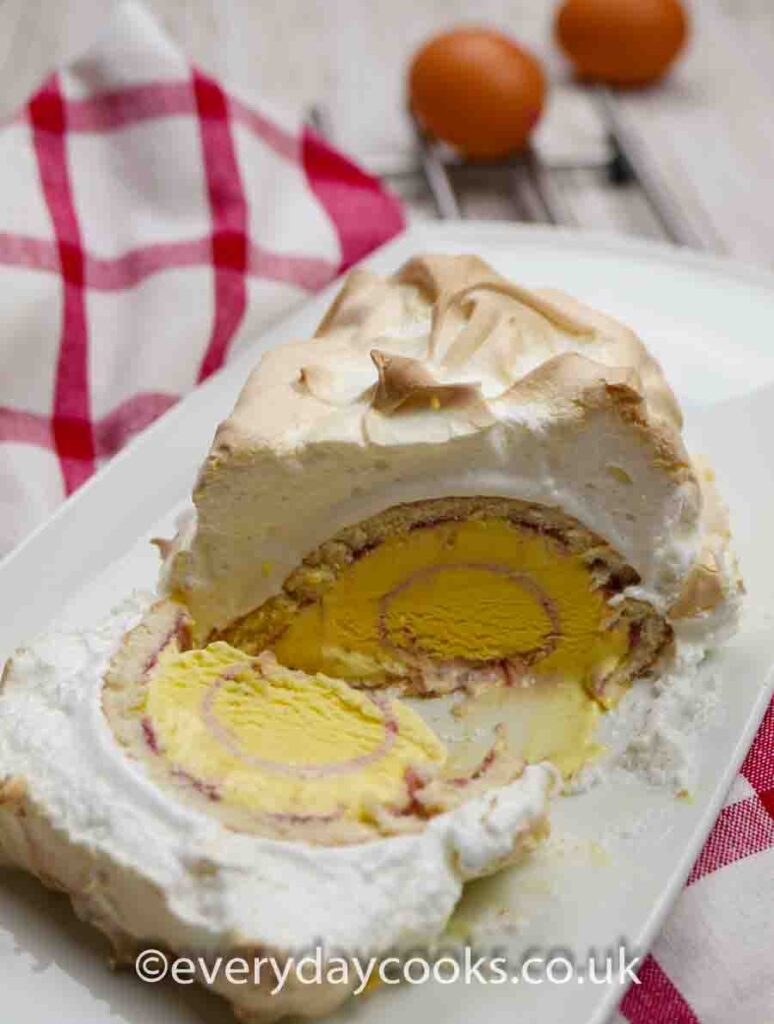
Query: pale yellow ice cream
x=251, y=734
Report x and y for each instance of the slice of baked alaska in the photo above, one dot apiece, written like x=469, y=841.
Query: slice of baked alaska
x=457, y=494
x=457, y=482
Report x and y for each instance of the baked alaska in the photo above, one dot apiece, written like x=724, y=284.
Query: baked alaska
x=457, y=482
x=429, y=547
x=276, y=752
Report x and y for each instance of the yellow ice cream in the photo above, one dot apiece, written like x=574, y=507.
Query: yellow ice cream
x=277, y=744
x=478, y=591
x=546, y=721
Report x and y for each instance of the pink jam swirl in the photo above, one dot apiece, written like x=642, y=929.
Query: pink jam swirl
x=523, y=658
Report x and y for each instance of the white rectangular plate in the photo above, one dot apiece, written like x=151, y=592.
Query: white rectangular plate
x=710, y=323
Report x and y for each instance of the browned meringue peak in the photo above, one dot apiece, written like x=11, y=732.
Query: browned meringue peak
x=369, y=306
x=406, y=389
x=483, y=326
x=571, y=375
x=705, y=587
x=406, y=383
x=486, y=336
x=575, y=381
x=463, y=323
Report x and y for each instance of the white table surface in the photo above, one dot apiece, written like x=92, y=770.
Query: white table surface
x=706, y=131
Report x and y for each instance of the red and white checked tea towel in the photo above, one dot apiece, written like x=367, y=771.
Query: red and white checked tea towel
x=150, y=223
x=713, y=962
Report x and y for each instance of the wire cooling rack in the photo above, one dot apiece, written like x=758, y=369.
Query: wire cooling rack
x=531, y=176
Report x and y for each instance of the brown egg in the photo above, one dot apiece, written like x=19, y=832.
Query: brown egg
x=477, y=90
x=622, y=42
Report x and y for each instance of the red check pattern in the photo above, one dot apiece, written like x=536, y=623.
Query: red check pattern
x=87, y=414
x=699, y=971
x=71, y=428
